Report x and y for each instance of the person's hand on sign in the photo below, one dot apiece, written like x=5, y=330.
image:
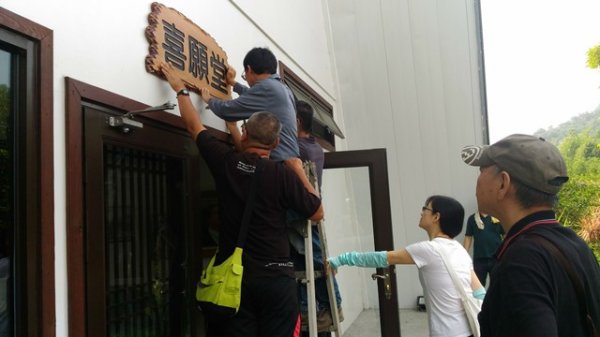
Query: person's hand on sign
x=174, y=80
x=205, y=93
x=230, y=77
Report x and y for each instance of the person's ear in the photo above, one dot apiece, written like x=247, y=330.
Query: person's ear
x=504, y=184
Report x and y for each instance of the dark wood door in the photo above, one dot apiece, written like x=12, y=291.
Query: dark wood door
x=376, y=162
x=141, y=244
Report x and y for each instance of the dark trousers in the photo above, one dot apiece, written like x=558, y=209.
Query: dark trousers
x=483, y=267
x=269, y=308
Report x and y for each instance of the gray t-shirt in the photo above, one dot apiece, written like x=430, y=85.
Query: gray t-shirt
x=266, y=95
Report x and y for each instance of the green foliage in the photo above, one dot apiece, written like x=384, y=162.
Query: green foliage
x=593, y=57
x=582, y=155
x=577, y=198
x=589, y=121
x=579, y=142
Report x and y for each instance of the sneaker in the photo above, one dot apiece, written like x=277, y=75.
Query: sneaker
x=304, y=318
x=325, y=321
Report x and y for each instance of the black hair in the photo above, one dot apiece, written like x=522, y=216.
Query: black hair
x=261, y=61
x=305, y=113
x=263, y=127
x=452, y=214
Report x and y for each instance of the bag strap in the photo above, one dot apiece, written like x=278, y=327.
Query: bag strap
x=249, y=204
x=455, y=280
x=575, y=280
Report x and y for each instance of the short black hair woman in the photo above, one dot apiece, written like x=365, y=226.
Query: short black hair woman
x=442, y=218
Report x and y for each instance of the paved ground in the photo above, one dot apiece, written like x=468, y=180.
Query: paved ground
x=412, y=324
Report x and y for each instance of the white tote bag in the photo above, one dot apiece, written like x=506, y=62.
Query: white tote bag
x=471, y=304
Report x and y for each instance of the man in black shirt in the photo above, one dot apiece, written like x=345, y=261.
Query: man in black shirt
x=269, y=305
x=531, y=292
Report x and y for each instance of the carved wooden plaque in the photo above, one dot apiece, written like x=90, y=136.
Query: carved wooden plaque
x=175, y=39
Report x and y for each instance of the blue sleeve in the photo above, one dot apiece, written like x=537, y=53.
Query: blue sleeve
x=250, y=101
x=239, y=88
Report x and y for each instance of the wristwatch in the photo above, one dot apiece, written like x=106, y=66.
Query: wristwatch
x=183, y=92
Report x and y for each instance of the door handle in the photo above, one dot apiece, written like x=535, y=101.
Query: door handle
x=386, y=283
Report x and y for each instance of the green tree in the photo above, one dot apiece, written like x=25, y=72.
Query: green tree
x=579, y=203
x=593, y=57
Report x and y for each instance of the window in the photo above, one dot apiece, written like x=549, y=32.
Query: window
x=324, y=127
x=26, y=178
x=6, y=194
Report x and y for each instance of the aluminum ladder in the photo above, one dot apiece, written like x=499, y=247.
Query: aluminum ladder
x=309, y=275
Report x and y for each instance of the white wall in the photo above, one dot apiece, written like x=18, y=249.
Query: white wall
x=409, y=83
x=401, y=74
x=102, y=43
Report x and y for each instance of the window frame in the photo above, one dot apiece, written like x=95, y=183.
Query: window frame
x=34, y=313
x=327, y=141
x=77, y=95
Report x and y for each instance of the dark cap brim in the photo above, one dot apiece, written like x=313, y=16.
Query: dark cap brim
x=476, y=155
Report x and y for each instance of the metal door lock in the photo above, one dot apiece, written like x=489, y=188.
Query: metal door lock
x=386, y=283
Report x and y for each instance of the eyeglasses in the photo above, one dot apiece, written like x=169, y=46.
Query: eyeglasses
x=244, y=75
x=425, y=208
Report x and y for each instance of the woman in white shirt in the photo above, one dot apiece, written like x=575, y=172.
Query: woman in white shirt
x=442, y=218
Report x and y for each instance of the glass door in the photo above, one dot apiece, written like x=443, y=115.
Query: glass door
x=142, y=247
x=363, y=224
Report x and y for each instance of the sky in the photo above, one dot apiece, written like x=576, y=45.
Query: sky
x=535, y=63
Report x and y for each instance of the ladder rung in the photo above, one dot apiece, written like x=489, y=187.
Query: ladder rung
x=301, y=275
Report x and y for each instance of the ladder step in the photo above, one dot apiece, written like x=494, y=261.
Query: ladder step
x=305, y=229
x=301, y=275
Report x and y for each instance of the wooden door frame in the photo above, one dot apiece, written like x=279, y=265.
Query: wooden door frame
x=40, y=282
x=77, y=93
x=376, y=161
x=151, y=138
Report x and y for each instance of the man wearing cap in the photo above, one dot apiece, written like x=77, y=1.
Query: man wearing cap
x=546, y=281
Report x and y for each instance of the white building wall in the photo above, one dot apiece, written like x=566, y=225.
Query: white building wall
x=408, y=75
x=400, y=74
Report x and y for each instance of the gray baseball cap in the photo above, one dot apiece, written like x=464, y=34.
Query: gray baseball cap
x=531, y=160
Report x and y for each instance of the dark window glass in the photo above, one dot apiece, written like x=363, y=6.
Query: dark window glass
x=143, y=243
x=6, y=193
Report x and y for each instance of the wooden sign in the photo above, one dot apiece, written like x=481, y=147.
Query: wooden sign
x=175, y=39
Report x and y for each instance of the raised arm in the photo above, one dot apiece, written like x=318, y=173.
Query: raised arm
x=400, y=257
x=380, y=259
x=296, y=165
x=190, y=116
x=236, y=135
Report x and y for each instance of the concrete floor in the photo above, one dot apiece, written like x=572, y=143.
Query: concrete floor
x=412, y=324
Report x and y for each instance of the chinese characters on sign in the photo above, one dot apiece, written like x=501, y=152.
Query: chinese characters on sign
x=175, y=39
